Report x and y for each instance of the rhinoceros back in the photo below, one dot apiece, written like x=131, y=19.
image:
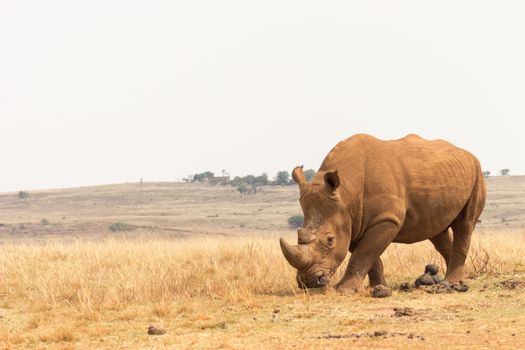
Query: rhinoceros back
x=432, y=180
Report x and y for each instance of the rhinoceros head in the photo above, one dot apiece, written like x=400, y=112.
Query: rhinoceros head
x=324, y=239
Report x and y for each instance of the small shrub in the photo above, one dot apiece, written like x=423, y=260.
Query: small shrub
x=296, y=221
x=242, y=188
x=504, y=172
x=44, y=222
x=23, y=194
x=119, y=227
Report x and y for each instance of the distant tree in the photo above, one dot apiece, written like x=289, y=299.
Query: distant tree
x=504, y=172
x=309, y=174
x=249, y=179
x=236, y=181
x=486, y=173
x=261, y=180
x=249, y=184
x=23, y=194
x=282, y=178
x=202, y=176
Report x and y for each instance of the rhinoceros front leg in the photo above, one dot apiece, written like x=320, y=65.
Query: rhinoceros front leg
x=366, y=255
x=375, y=275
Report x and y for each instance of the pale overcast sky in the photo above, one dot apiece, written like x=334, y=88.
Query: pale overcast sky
x=95, y=92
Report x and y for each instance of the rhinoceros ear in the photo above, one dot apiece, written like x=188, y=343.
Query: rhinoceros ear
x=331, y=178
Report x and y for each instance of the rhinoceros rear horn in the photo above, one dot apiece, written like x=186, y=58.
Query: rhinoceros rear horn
x=298, y=175
x=297, y=255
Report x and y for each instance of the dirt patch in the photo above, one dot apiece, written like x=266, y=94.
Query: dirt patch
x=404, y=311
x=376, y=334
x=511, y=284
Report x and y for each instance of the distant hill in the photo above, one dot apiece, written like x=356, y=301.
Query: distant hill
x=181, y=209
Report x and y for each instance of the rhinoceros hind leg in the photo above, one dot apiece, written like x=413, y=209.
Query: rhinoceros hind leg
x=443, y=244
x=462, y=228
x=460, y=246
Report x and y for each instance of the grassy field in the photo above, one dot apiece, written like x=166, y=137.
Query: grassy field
x=204, y=264
x=238, y=292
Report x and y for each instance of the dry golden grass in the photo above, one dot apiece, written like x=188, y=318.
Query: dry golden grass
x=239, y=292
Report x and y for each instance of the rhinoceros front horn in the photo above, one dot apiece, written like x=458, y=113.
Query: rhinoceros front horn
x=297, y=255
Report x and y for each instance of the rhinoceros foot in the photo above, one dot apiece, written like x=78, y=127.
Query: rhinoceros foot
x=349, y=287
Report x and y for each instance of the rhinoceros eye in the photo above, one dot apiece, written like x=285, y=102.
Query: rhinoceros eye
x=330, y=240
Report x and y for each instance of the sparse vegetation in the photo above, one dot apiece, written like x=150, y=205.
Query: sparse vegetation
x=249, y=181
x=252, y=180
x=44, y=222
x=242, y=188
x=119, y=227
x=486, y=173
x=296, y=221
x=504, y=172
x=282, y=178
x=23, y=195
x=249, y=184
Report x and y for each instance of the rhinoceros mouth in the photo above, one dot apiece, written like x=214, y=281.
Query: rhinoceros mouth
x=313, y=280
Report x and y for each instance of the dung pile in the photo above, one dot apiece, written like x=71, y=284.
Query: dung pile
x=432, y=283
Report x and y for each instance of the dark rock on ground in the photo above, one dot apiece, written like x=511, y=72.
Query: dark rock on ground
x=380, y=333
x=381, y=291
x=152, y=330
